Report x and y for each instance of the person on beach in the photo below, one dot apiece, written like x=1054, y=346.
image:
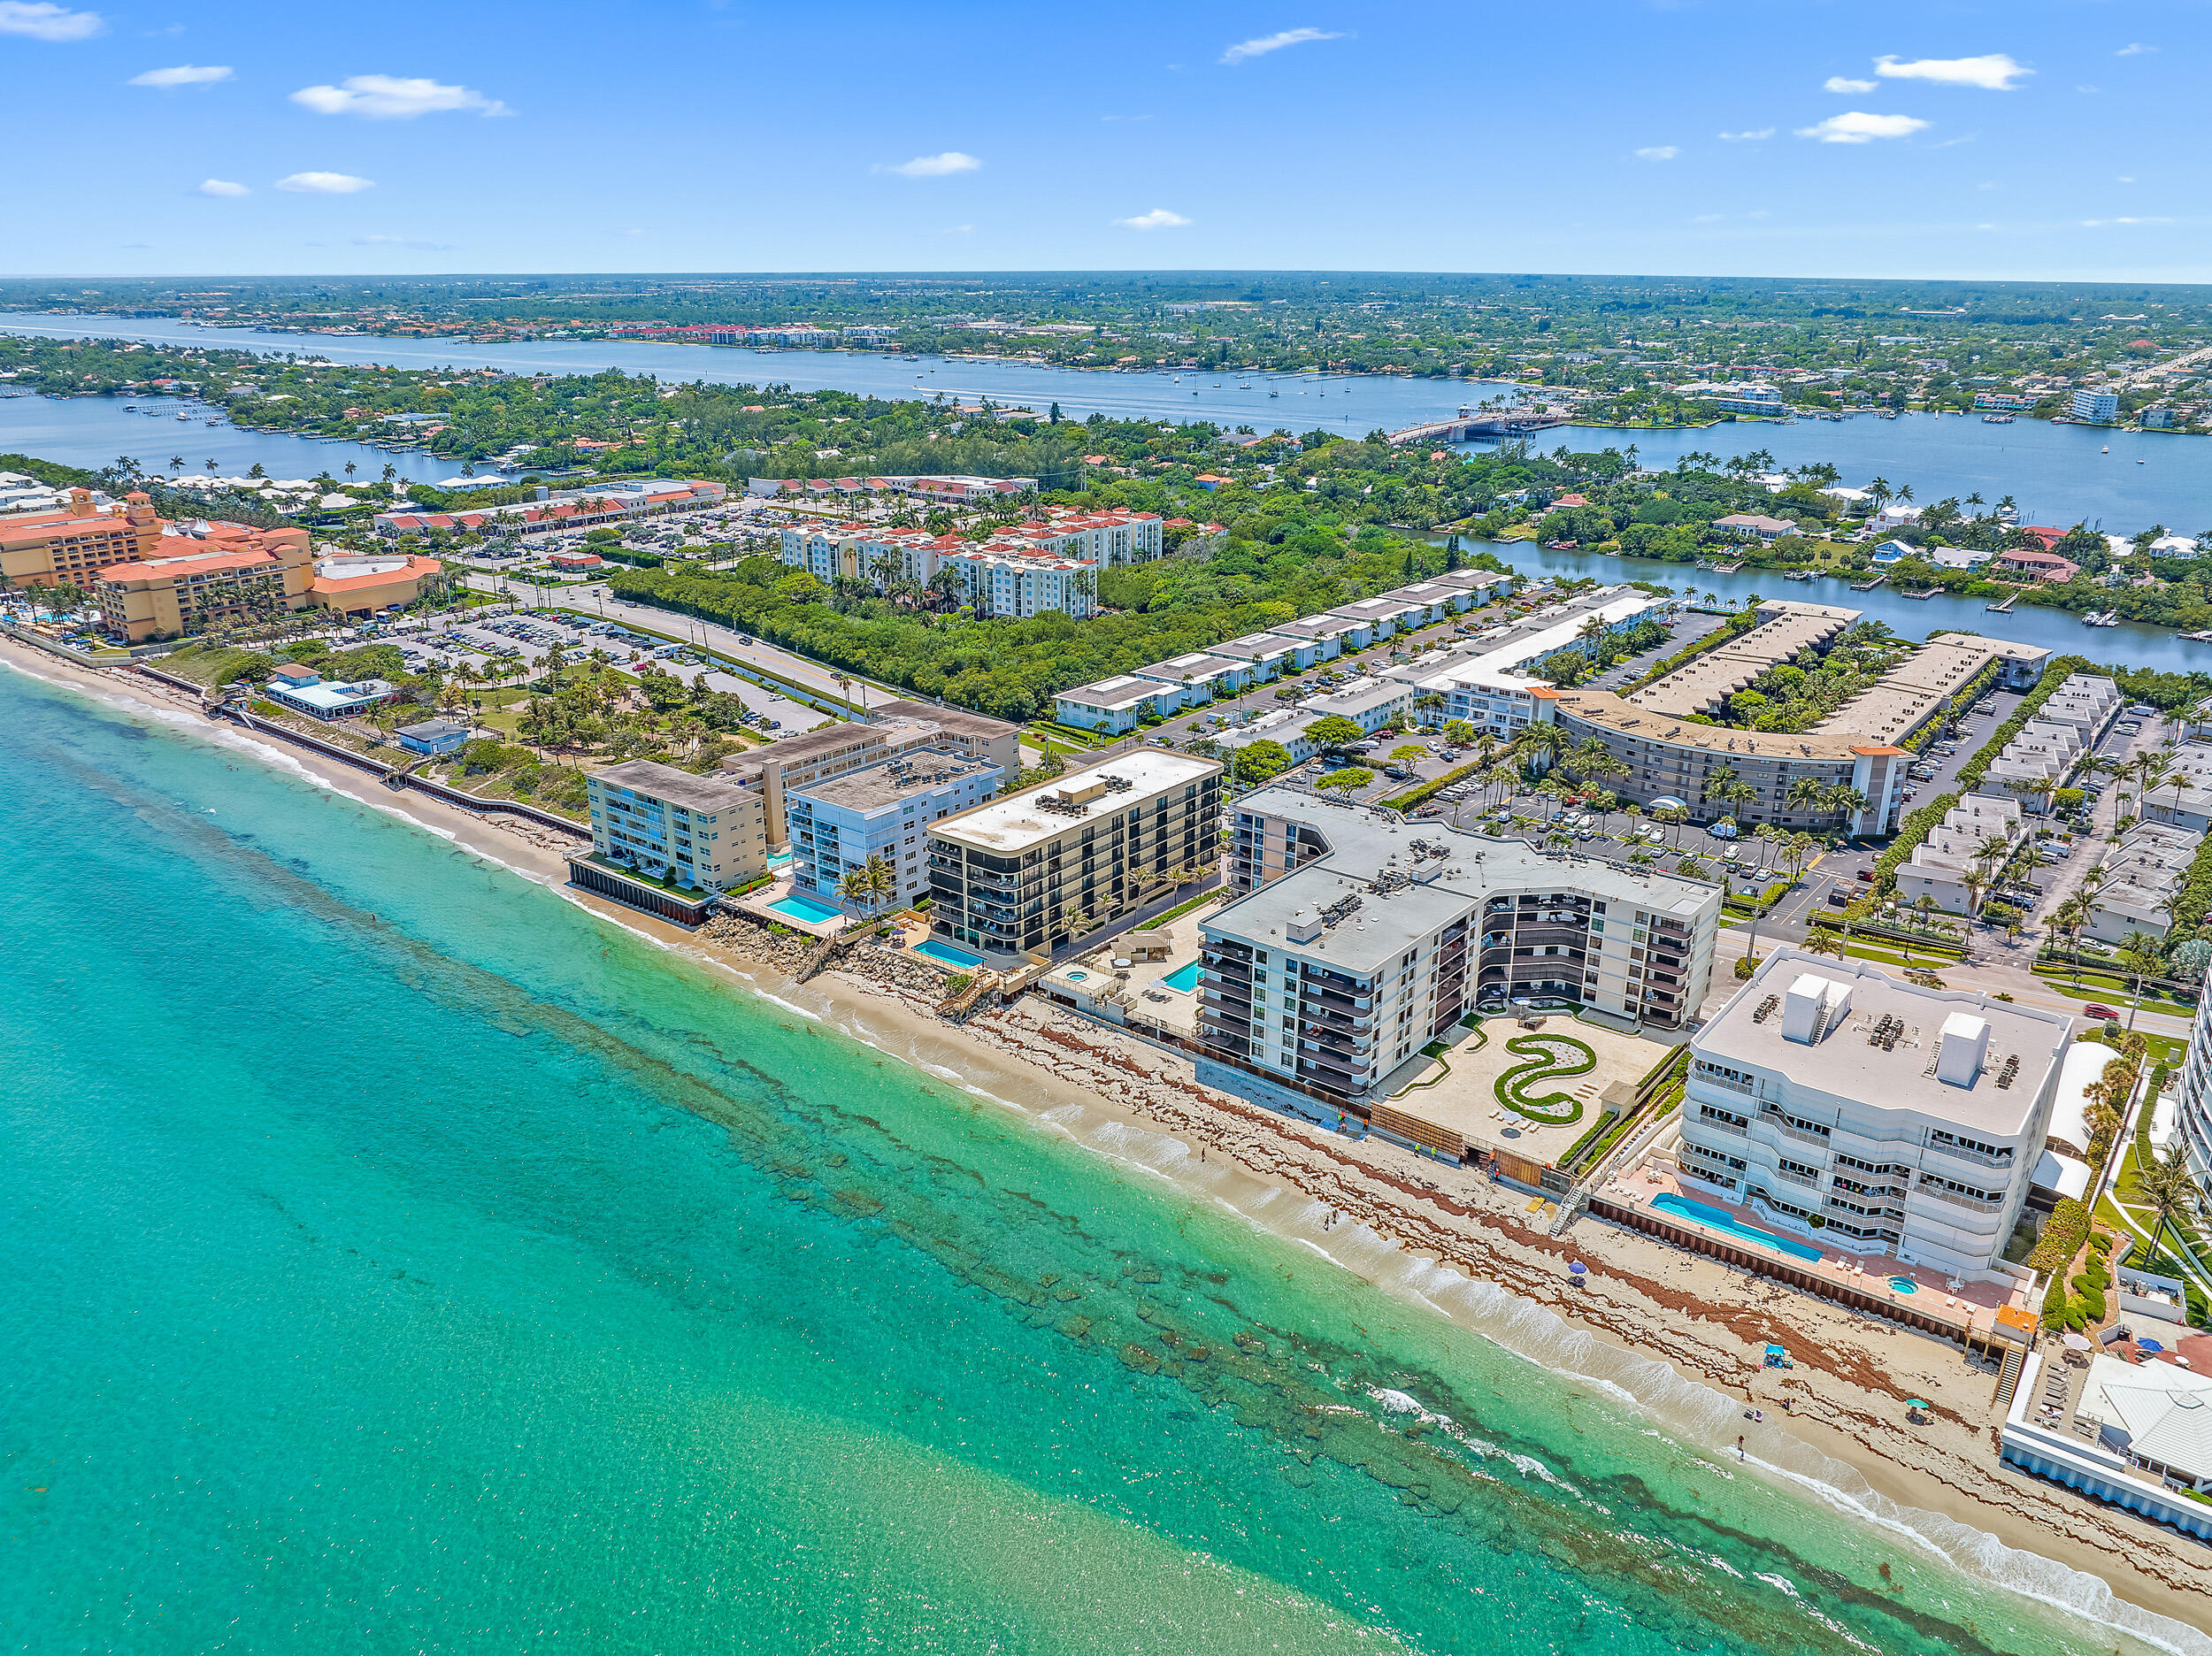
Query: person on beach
x=1739, y=1446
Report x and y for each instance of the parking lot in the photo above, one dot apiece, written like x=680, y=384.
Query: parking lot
x=513, y=645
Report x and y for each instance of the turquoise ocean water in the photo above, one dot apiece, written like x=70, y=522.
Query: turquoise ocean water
x=402, y=1259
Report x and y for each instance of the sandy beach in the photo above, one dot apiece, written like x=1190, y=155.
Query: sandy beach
x=1680, y=1334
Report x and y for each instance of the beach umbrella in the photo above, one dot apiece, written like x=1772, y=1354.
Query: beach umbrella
x=1578, y=1268
x=2148, y=1345
x=1919, y=1405
x=2076, y=1342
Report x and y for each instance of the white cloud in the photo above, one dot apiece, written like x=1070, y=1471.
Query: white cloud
x=1841, y=83
x=2134, y=49
x=42, y=20
x=1158, y=218
x=394, y=98
x=2124, y=179
x=183, y=75
x=323, y=183
x=1658, y=152
x=1260, y=46
x=2097, y=224
x=1858, y=128
x=935, y=165
x=1994, y=71
x=1747, y=137
x=222, y=186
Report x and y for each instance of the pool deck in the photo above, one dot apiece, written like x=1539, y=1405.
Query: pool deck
x=1868, y=1273
x=1095, y=976
x=761, y=906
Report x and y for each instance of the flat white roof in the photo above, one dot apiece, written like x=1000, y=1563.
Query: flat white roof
x=1014, y=822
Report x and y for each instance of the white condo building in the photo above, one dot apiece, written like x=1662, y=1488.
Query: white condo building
x=1886, y=1119
x=1362, y=937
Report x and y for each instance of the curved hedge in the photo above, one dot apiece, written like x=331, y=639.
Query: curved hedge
x=1541, y=1062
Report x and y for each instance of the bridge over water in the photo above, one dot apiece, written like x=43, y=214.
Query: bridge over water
x=1471, y=424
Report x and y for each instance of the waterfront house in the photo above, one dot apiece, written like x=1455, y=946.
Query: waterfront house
x=433, y=736
x=327, y=700
x=1754, y=526
x=2043, y=566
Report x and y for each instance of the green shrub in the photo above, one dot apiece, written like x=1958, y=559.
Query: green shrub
x=2062, y=1234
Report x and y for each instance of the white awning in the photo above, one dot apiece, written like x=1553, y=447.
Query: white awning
x=2062, y=1174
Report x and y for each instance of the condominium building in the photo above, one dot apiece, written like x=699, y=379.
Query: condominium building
x=1361, y=937
x=655, y=817
x=1850, y=770
x=2097, y=408
x=1885, y=1117
x=885, y=810
x=835, y=750
x=2193, y=1092
x=1020, y=873
x=1048, y=563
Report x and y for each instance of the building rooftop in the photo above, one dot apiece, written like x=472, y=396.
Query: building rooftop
x=917, y=770
x=791, y=750
x=2019, y=1048
x=677, y=787
x=1014, y=822
x=1398, y=870
x=1124, y=690
x=948, y=718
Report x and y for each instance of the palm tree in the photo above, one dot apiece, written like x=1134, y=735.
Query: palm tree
x=1823, y=941
x=2165, y=1187
x=2140, y=959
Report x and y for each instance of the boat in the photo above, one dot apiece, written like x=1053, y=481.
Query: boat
x=130, y=408
x=184, y=416
x=2106, y=449
x=2142, y=463
x=1996, y=419
x=1274, y=393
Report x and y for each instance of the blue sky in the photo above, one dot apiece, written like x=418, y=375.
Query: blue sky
x=2025, y=140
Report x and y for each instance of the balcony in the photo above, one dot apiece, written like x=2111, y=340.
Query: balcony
x=1704, y=1078
x=1967, y=1152
x=1806, y=1179
x=1769, y=1117
x=1959, y=1199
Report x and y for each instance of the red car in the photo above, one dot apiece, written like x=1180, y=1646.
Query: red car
x=2098, y=1009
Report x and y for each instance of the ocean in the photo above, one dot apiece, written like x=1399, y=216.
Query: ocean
x=407, y=1260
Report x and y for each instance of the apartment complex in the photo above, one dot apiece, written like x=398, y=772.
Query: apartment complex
x=1849, y=770
x=1360, y=937
x=1120, y=703
x=612, y=503
x=2052, y=747
x=2142, y=876
x=1050, y=562
x=886, y=811
x=2193, y=1092
x=1950, y=867
x=1017, y=874
x=836, y=750
x=1890, y=1118
x=654, y=817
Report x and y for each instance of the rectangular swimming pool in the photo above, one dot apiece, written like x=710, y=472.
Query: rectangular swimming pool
x=804, y=909
x=1183, y=979
x=1717, y=1219
x=945, y=953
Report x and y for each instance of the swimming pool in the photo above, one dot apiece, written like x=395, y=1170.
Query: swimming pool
x=1904, y=1284
x=1183, y=979
x=945, y=953
x=1716, y=1219
x=803, y=908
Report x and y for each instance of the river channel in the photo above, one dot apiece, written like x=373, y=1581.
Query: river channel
x=2055, y=474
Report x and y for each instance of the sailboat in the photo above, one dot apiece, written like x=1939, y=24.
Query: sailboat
x=2106, y=449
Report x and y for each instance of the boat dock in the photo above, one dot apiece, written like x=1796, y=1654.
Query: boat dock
x=1869, y=586
x=2011, y=598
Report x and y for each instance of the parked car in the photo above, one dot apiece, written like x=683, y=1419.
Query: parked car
x=2142, y=711
x=1867, y=876
x=2097, y=1009
x=1838, y=898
